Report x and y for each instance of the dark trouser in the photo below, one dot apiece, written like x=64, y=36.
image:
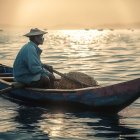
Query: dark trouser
x=44, y=82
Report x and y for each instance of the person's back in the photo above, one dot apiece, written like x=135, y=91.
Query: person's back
x=27, y=67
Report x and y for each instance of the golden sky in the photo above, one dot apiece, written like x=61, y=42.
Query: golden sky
x=70, y=13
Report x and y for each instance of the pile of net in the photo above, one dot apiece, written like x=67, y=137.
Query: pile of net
x=65, y=83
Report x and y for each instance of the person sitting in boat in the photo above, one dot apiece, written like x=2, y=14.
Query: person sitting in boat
x=27, y=67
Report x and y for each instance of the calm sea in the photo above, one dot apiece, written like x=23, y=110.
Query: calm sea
x=110, y=56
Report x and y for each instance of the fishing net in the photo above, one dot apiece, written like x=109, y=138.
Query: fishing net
x=65, y=83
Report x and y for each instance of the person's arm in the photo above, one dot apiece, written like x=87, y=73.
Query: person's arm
x=34, y=63
x=48, y=67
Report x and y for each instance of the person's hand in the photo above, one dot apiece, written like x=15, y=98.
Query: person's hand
x=48, y=67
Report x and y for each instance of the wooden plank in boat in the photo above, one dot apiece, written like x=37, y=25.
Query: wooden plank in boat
x=6, y=74
x=9, y=79
x=5, y=82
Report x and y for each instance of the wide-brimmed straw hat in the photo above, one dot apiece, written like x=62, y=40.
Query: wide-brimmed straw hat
x=34, y=32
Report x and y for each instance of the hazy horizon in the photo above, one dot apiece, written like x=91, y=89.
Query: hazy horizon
x=70, y=14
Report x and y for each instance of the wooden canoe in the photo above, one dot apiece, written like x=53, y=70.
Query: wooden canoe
x=108, y=99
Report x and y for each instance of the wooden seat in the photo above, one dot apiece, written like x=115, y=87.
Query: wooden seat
x=6, y=74
x=9, y=79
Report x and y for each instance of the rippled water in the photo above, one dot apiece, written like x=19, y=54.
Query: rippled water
x=109, y=56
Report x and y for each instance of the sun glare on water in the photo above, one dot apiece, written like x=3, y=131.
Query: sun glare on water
x=80, y=42
x=79, y=35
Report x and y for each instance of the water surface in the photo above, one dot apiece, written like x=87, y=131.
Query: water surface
x=109, y=56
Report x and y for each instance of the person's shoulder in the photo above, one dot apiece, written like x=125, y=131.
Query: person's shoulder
x=29, y=46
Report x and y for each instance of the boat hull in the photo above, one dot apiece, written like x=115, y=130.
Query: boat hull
x=109, y=99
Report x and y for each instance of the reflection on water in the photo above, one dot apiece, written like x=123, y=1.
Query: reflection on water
x=28, y=118
x=110, y=127
x=30, y=122
x=40, y=123
x=111, y=56
x=6, y=114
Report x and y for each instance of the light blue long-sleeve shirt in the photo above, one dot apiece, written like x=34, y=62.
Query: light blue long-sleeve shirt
x=27, y=65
